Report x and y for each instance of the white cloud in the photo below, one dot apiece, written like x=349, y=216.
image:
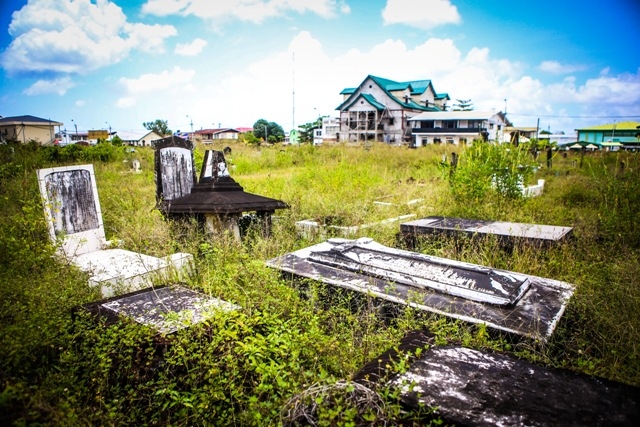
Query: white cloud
x=80, y=103
x=76, y=37
x=554, y=67
x=167, y=83
x=42, y=87
x=190, y=49
x=425, y=14
x=264, y=89
x=254, y=11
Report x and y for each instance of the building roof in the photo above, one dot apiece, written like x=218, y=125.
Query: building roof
x=616, y=126
x=415, y=87
x=28, y=120
x=132, y=135
x=214, y=131
x=244, y=129
x=456, y=115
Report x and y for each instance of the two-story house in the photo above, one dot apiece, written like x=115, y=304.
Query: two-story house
x=457, y=127
x=379, y=109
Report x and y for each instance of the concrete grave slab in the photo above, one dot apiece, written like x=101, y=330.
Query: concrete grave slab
x=167, y=309
x=507, y=232
x=74, y=219
x=516, y=303
x=470, y=387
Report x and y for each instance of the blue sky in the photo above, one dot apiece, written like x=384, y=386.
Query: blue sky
x=208, y=63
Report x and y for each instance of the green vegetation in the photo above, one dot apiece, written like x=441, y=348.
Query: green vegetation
x=299, y=342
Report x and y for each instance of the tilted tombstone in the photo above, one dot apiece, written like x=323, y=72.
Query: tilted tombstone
x=482, y=388
x=74, y=219
x=516, y=303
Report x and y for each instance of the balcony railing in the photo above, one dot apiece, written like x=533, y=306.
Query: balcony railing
x=448, y=130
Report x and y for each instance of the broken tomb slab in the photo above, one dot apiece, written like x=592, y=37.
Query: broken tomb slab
x=517, y=303
x=470, y=387
x=166, y=309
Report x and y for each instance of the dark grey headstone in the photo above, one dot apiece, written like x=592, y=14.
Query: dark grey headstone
x=174, y=168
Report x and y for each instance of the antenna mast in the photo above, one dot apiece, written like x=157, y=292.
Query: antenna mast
x=293, y=90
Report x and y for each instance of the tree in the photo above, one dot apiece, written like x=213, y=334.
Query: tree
x=268, y=131
x=161, y=127
x=463, y=105
x=306, y=130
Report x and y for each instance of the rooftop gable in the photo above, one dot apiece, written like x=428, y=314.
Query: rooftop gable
x=27, y=119
x=415, y=87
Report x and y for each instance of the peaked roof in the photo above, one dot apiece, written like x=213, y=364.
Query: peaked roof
x=415, y=87
x=27, y=119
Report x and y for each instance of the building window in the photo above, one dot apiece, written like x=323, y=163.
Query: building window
x=437, y=141
x=427, y=124
x=449, y=124
x=462, y=140
x=490, y=125
x=474, y=124
x=499, y=127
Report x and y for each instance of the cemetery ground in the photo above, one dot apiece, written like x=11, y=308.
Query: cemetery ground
x=242, y=367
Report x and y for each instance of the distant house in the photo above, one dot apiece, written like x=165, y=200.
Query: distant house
x=457, y=127
x=623, y=134
x=379, y=109
x=138, y=138
x=26, y=128
x=211, y=135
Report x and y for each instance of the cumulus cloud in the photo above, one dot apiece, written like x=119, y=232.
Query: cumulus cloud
x=76, y=37
x=425, y=14
x=175, y=81
x=254, y=11
x=554, y=67
x=190, y=49
x=42, y=87
x=491, y=83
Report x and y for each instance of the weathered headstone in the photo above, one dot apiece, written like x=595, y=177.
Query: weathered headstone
x=73, y=215
x=515, y=303
x=174, y=168
x=478, y=388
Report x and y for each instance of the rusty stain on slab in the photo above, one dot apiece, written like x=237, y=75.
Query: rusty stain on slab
x=517, y=303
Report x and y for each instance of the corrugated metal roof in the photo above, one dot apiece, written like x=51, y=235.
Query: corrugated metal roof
x=616, y=126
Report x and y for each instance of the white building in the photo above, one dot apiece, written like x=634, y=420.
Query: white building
x=457, y=127
x=378, y=109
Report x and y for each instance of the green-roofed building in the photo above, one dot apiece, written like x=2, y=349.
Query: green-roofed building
x=625, y=133
x=379, y=109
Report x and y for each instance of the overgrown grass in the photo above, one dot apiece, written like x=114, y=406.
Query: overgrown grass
x=241, y=368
